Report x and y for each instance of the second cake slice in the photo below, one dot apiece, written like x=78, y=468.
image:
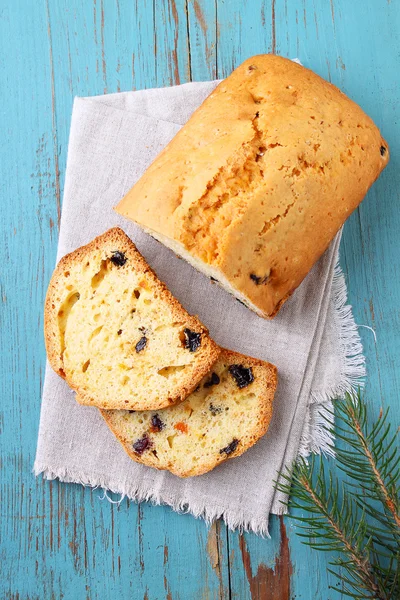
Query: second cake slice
x=115, y=332
x=226, y=414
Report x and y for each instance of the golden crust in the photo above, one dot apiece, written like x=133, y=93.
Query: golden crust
x=113, y=239
x=259, y=415
x=257, y=183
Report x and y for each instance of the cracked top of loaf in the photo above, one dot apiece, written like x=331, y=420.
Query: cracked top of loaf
x=254, y=187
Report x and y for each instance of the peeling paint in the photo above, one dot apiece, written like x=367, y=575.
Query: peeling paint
x=267, y=582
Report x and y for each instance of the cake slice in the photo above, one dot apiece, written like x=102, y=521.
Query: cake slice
x=115, y=332
x=226, y=414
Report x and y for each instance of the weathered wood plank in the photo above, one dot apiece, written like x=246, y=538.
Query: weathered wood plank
x=62, y=541
x=171, y=42
x=202, y=32
x=261, y=568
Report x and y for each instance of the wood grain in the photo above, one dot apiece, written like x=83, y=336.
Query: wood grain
x=62, y=541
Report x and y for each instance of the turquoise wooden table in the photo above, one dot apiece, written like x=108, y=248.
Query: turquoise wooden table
x=62, y=541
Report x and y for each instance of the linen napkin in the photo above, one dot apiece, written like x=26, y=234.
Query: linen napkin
x=313, y=341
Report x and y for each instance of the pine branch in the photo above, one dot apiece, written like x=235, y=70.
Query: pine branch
x=375, y=455
x=336, y=530
x=359, y=520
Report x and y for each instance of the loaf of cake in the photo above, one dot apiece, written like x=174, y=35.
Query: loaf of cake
x=115, y=332
x=225, y=415
x=254, y=187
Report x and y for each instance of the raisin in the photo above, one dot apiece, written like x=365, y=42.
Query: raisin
x=213, y=381
x=119, y=331
x=142, y=444
x=141, y=345
x=383, y=150
x=259, y=280
x=242, y=375
x=192, y=340
x=156, y=423
x=257, y=114
x=118, y=258
x=230, y=447
x=255, y=278
x=214, y=410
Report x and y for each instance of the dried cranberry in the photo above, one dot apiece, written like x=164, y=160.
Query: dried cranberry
x=118, y=258
x=230, y=447
x=213, y=381
x=142, y=444
x=383, y=150
x=192, y=340
x=215, y=410
x=156, y=423
x=141, y=345
x=242, y=375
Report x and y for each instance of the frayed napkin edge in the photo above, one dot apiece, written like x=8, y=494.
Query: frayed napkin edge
x=352, y=377
x=234, y=520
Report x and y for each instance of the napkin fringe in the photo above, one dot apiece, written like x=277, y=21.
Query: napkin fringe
x=315, y=437
x=234, y=520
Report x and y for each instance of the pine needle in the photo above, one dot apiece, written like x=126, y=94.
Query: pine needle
x=359, y=519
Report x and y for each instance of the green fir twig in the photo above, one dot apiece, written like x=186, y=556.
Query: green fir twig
x=358, y=519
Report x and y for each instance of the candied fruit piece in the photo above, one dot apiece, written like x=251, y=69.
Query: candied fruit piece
x=156, y=423
x=214, y=380
x=182, y=427
x=242, y=375
x=118, y=258
x=141, y=345
x=192, y=340
x=142, y=444
x=230, y=447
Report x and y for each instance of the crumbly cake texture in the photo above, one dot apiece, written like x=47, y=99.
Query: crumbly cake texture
x=226, y=414
x=115, y=332
x=254, y=187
